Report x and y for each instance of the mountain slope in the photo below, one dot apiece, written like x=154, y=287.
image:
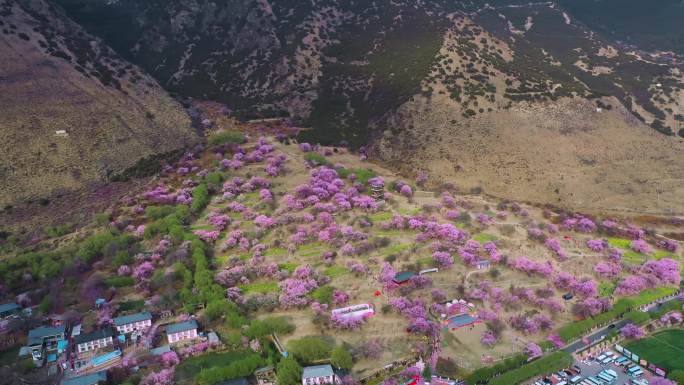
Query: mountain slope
x=384, y=72
x=72, y=112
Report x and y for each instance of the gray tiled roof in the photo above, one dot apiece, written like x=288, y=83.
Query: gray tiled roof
x=181, y=327
x=317, y=371
x=93, y=336
x=128, y=319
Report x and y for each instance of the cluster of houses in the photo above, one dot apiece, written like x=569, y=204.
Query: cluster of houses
x=85, y=356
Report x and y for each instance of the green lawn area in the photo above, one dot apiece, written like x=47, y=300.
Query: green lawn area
x=606, y=288
x=665, y=349
x=484, y=237
x=395, y=249
x=619, y=243
x=381, y=216
x=633, y=257
x=132, y=305
x=389, y=233
x=274, y=252
x=188, y=368
x=260, y=287
x=335, y=271
x=660, y=254
x=289, y=266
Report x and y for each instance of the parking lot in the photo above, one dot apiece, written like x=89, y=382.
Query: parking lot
x=591, y=368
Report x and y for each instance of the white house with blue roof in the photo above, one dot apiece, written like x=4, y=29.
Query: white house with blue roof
x=181, y=331
x=319, y=375
x=133, y=322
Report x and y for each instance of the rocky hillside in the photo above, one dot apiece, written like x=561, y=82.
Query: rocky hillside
x=351, y=70
x=72, y=112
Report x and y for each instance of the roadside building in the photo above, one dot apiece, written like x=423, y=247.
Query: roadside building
x=98, y=339
x=181, y=331
x=319, y=375
x=133, y=322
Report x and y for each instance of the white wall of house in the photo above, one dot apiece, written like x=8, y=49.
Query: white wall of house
x=184, y=335
x=96, y=344
x=134, y=326
x=318, y=380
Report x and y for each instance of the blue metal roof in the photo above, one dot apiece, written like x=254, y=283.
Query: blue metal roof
x=128, y=319
x=181, y=326
x=160, y=350
x=89, y=379
x=45, y=331
x=5, y=307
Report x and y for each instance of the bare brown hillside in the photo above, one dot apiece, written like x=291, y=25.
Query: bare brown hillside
x=71, y=111
x=564, y=152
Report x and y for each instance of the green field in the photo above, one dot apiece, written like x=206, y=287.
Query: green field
x=665, y=349
x=187, y=369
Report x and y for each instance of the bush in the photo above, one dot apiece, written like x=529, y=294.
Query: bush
x=200, y=198
x=322, y=294
x=289, y=372
x=483, y=375
x=119, y=281
x=310, y=349
x=263, y=328
x=341, y=358
x=226, y=137
x=158, y=212
x=243, y=368
x=551, y=363
x=316, y=159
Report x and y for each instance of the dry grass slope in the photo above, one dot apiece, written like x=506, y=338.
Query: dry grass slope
x=111, y=121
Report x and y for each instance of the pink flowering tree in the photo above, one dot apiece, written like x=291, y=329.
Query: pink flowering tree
x=533, y=350
x=640, y=246
x=556, y=340
x=488, y=338
x=163, y=377
x=632, y=331
x=443, y=259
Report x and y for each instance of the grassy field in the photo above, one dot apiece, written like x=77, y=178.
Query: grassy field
x=664, y=349
x=187, y=369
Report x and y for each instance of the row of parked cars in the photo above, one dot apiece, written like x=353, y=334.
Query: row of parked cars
x=562, y=377
x=633, y=370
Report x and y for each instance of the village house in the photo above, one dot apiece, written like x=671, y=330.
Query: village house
x=94, y=340
x=44, y=336
x=133, y=322
x=319, y=375
x=483, y=264
x=88, y=379
x=403, y=277
x=9, y=309
x=181, y=331
x=265, y=375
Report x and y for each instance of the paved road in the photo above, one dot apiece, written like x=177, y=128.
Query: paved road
x=601, y=334
x=593, y=338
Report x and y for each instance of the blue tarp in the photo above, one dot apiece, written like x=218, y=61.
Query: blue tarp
x=461, y=320
x=52, y=357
